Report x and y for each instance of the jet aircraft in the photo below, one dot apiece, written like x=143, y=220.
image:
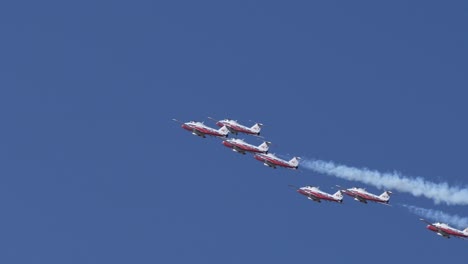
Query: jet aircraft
x=235, y=128
x=271, y=160
x=361, y=195
x=240, y=146
x=201, y=130
x=444, y=230
x=315, y=194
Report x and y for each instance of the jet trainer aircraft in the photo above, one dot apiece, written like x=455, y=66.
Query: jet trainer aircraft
x=315, y=194
x=444, y=230
x=361, y=195
x=240, y=146
x=201, y=130
x=272, y=161
x=235, y=128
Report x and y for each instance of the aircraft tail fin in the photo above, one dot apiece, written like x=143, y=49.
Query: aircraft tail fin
x=385, y=195
x=256, y=128
x=224, y=131
x=265, y=146
x=295, y=161
x=338, y=195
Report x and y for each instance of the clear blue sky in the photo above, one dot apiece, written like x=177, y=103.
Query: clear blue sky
x=93, y=170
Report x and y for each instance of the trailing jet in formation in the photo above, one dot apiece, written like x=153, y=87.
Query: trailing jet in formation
x=444, y=230
x=272, y=161
x=240, y=146
x=201, y=130
x=361, y=195
x=315, y=194
x=235, y=128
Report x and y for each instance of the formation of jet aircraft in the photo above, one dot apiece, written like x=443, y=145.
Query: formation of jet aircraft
x=359, y=194
x=239, y=145
x=260, y=153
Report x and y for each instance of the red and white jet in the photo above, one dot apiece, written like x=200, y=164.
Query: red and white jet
x=315, y=194
x=201, y=130
x=445, y=230
x=272, y=161
x=361, y=195
x=240, y=146
x=235, y=128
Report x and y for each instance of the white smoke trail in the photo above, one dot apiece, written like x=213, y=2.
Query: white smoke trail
x=455, y=220
x=438, y=192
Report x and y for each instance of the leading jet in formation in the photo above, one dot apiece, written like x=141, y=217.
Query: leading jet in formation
x=240, y=146
x=361, y=195
x=273, y=161
x=235, y=128
x=315, y=194
x=444, y=230
x=201, y=130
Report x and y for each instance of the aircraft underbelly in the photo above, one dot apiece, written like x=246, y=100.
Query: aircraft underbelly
x=360, y=199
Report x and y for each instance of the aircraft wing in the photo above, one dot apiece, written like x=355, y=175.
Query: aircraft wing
x=425, y=221
x=239, y=150
x=313, y=197
x=198, y=132
x=362, y=200
x=443, y=233
x=387, y=204
x=267, y=162
x=271, y=164
x=232, y=131
x=212, y=119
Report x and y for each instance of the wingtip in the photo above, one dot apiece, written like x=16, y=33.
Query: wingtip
x=425, y=221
